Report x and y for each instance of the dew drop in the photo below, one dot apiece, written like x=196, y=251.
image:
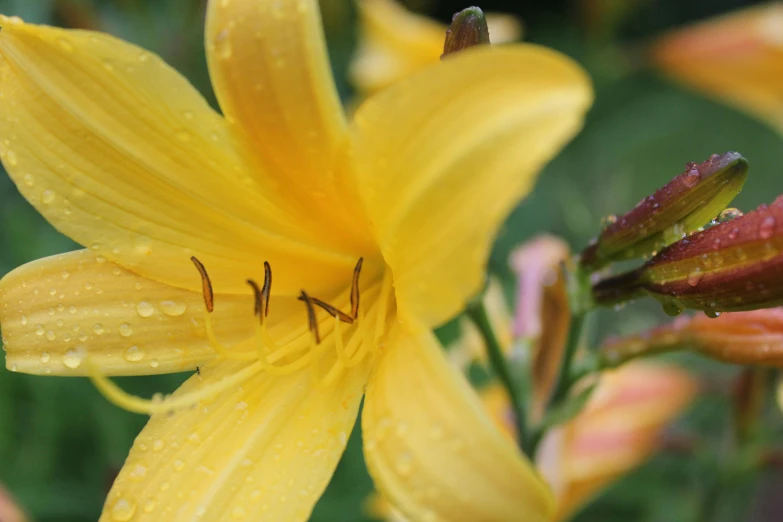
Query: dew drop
x=695, y=276
x=145, y=309
x=188, y=115
x=692, y=177
x=733, y=233
x=672, y=307
x=239, y=512
x=39, y=329
x=729, y=214
x=123, y=510
x=45, y=357
x=158, y=445
x=134, y=354
x=98, y=329
x=51, y=335
x=172, y=308
x=11, y=158
x=712, y=314
x=24, y=320
x=154, y=363
x=47, y=197
x=73, y=358
x=223, y=45
x=178, y=465
x=767, y=227
x=29, y=180
x=138, y=472
x=404, y=464
x=149, y=506
x=126, y=330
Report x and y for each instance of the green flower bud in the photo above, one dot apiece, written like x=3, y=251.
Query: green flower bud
x=468, y=28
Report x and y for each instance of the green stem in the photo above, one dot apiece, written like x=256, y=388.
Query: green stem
x=564, y=378
x=478, y=314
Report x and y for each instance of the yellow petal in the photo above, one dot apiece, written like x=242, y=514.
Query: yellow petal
x=433, y=450
x=736, y=58
x=119, y=152
x=444, y=155
x=263, y=451
x=617, y=431
x=65, y=313
x=271, y=74
x=395, y=42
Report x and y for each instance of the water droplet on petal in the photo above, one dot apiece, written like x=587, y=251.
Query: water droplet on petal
x=172, y=308
x=767, y=227
x=178, y=465
x=149, y=505
x=239, y=512
x=729, y=214
x=134, y=354
x=45, y=357
x=223, y=45
x=145, y=309
x=404, y=464
x=695, y=276
x=98, y=329
x=47, y=197
x=29, y=180
x=73, y=358
x=126, y=330
x=154, y=363
x=692, y=177
x=123, y=510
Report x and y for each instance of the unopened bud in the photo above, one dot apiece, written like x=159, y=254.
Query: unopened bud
x=747, y=338
x=680, y=207
x=468, y=28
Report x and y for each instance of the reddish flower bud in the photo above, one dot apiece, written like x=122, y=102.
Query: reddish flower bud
x=680, y=207
x=734, y=266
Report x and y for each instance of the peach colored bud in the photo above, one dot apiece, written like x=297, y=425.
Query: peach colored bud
x=9, y=510
x=542, y=313
x=617, y=431
x=738, y=337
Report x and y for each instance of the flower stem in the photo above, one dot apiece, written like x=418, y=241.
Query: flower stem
x=477, y=312
x=564, y=377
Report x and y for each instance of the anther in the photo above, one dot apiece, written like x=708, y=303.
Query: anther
x=312, y=322
x=332, y=310
x=355, y=289
x=206, y=285
x=259, y=300
x=266, y=291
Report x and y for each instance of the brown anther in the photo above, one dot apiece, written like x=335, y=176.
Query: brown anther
x=355, y=289
x=312, y=322
x=331, y=310
x=266, y=291
x=259, y=300
x=206, y=285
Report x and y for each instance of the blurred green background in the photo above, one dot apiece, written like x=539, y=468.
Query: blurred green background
x=61, y=443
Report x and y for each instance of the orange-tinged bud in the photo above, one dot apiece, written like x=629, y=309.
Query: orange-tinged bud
x=9, y=510
x=617, y=431
x=680, y=207
x=736, y=58
x=739, y=338
x=542, y=314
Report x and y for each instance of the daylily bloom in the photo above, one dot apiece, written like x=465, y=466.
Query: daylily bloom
x=394, y=42
x=618, y=430
x=120, y=153
x=736, y=58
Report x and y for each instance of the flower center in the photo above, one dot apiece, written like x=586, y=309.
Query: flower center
x=285, y=356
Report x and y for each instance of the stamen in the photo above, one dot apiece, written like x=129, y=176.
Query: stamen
x=355, y=288
x=206, y=285
x=126, y=401
x=331, y=310
x=312, y=321
x=266, y=291
x=259, y=300
x=218, y=347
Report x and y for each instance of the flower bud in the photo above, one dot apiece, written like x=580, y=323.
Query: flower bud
x=680, y=207
x=747, y=338
x=468, y=28
x=615, y=433
x=734, y=266
x=542, y=313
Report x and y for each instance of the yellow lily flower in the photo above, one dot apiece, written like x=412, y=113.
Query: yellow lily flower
x=617, y=431
x=394, y=42
x=736, y=58
x=120, y=153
